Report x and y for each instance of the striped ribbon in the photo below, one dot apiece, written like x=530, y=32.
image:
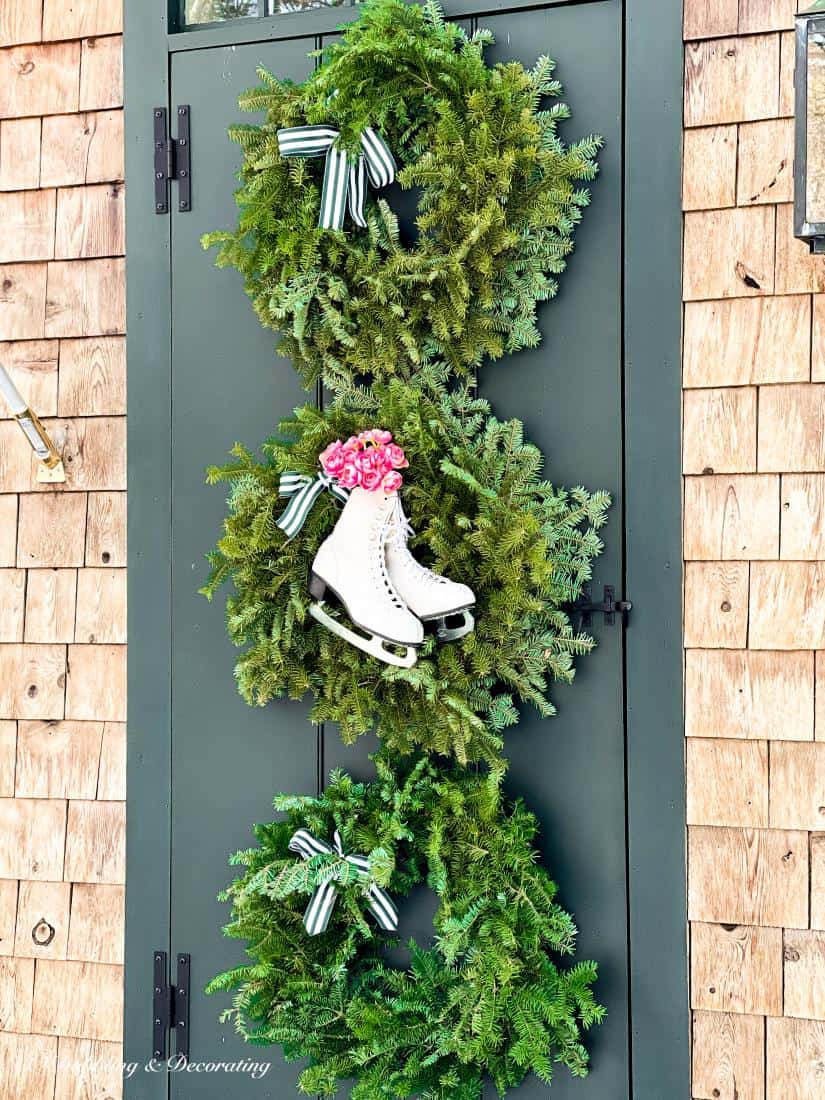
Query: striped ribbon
x=322, y=902
x=342, y=179
x=304, y=491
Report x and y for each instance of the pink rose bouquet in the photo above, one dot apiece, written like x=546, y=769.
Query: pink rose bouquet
x=370, y=460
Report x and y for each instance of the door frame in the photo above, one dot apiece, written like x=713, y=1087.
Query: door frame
x=659, y=1025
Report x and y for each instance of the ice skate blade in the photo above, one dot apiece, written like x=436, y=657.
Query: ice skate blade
x=446, y=633
x=375, y=646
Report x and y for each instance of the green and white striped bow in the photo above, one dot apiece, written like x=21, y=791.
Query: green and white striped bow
x=322, y=902
x=304, y=491
x=342, y=179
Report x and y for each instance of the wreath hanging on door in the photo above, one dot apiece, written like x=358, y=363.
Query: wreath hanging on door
x=474, y=497
x=394, y=329
x=499, y=196
x=485, y=997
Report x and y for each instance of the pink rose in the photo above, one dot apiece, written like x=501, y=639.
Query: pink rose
x=349, y=476
x=396, y=456
x=353, y=444
x=371, y=479
x=367, y=461
x=332, y=458
x=375, y=437
x=392, y=482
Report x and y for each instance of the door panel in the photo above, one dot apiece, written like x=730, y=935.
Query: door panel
x=568, y=391
x=229, y=759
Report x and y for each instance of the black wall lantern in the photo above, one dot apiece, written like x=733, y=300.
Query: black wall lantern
x=809, y=158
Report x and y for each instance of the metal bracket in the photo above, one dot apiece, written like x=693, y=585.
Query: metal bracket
x=51, y=475
x=172, y=159
x=585, y=608
x=170, y=1006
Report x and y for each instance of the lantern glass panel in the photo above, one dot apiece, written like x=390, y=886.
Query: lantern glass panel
x=815, y=182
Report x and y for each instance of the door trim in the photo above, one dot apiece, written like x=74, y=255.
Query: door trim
x=327, y=21
x=148, y=767
x=657, y=920
x=656, y=811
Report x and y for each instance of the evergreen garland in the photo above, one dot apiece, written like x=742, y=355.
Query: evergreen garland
x=499, y=199
x=486, y=996
x=394, y=328
x=481, y=513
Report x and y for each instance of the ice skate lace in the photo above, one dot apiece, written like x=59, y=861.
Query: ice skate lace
x=401, y=531
x=378, y=556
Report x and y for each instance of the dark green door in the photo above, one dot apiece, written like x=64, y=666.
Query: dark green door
x=225, y=759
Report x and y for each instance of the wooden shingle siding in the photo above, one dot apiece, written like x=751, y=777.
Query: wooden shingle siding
x=714, y=187
x=720, y=430
x=106, y=529
x=41, y=906
x=765, y=15
x=50, y=605
x=754, y=547
x=765, y=165
x=79, y=18
x=749, y=694
x=8, y=529
x=736, y=517
x=8, y=749
x=727, y=782
x=62, y=552
x=749, y=876
x=739, y=342
x=23, y=301
x=795, y=1056
x=58, y=759
x=20, y=21
x=32, y=681
x=39, y=80
x=728, y=1059
x=29, y=1061
x=82, y=148
x=90, y=221
x=736, y=968
x=86, y=298
x=96, y=928
x=716, y=605
x=19, y=154
x=93, y=377
x=27, y=225
x=96, y=683
x=729, y=253
x=101, y=74
x=33, y=366
x=79, y=999
x=88, y=1068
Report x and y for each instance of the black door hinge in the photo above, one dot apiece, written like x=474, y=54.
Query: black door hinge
x=172, y=160
x=585, y=608
x=170, y=1006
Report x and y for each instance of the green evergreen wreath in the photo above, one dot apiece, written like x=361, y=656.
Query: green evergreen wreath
x=486, y=997
x=481, y=513
x=499, y=199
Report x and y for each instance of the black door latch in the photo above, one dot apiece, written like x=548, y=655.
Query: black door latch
x=584, y=607
x=170, y=1006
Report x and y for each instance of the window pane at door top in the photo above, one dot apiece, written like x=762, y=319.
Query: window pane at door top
x=221, y=11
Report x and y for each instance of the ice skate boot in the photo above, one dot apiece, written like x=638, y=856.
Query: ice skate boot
x=352, y=564
x=427, y=594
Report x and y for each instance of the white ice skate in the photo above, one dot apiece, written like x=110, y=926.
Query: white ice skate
x=352, y=564
x=427, y=594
